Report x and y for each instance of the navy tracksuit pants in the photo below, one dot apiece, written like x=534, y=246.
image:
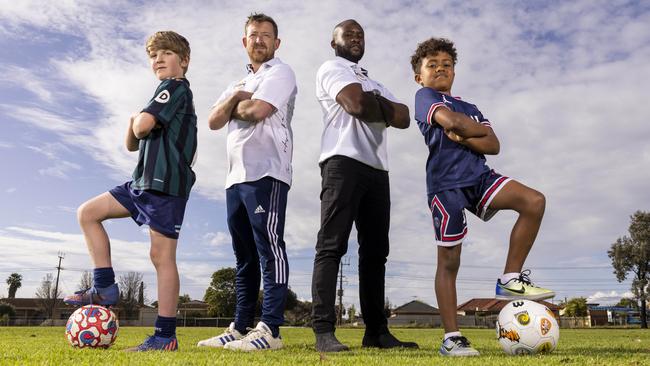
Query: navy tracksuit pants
x=256, y=214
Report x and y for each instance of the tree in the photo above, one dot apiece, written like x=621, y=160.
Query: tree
x=7, y=311
x=631, y=255
x=86, y=281
x=221, y=296
x=15, y=282
x=292, y=300
x=627, y=303
x=46, y=294
x=130, y=284
x=300, y=314
x=576, y=307
x=352, y=313
x=184, y=299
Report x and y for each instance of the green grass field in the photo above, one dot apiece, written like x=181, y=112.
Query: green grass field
x=48, y=346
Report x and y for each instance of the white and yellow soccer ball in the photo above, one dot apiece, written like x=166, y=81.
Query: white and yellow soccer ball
x=527, y=327
x=92, y=326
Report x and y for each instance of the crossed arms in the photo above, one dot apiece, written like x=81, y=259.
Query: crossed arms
x=368, y=107
x=462, y=129
x=239, y=106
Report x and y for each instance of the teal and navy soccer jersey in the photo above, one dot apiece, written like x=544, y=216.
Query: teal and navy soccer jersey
x=449, y=165
x=167, y=153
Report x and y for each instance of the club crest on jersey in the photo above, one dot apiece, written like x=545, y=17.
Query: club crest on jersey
x=162, y=97
x=360, y=73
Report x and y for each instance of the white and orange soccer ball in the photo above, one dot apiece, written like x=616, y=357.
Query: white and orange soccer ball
x=92, y=326
x=527, y=327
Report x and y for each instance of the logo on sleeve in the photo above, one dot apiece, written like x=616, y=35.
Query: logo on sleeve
x=162, y=97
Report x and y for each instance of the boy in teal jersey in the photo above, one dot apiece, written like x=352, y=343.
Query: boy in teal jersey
x=165, y=134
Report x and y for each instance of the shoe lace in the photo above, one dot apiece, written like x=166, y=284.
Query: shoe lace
x=253, y=333
x=461, y=341
x=524, y=277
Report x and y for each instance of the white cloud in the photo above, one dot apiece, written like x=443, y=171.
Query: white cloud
x=608, y=298
x=42, y=119
x=27, y=79
x=60, y=170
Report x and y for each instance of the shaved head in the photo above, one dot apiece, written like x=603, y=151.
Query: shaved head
x=338, y=27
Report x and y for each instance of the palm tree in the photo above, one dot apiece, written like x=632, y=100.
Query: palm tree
x=14, y=281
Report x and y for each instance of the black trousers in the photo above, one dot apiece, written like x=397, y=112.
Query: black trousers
x=351, y=192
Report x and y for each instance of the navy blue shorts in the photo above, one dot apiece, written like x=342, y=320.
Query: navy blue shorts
x=162, y=212
x=448, y=207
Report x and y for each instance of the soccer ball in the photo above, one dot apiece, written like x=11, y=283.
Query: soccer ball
x=527, y=327
x=92, y=326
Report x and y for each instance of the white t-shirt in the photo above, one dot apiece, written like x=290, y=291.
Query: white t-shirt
x=265, y=148
x=344, y=134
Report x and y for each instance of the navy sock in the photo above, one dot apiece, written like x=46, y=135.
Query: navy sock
x=165, y=326
x=243, y=330
x=275, y=330
x=103, y=277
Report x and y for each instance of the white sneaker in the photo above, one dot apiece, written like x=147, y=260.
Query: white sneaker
x=230, y=335
x=257, y=339
x=457, y=346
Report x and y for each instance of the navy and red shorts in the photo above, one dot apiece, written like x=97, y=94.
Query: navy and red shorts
x=162, y=212
x=448, y=207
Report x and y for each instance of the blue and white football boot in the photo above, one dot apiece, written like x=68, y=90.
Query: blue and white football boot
x=231, y=334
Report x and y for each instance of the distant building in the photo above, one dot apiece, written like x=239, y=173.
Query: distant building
x=193, y=309
x=612, y=315
x=483, y=312
x=32, y=311
x=491, y=306
x=415, y=313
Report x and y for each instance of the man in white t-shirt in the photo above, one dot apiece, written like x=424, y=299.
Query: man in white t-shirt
x=258, y=111
x=354, y=168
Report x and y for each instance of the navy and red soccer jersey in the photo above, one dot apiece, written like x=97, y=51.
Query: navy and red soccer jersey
x=450, y=164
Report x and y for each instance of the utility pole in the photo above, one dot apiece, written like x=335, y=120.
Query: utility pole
x=345, y=261
x=56, y=287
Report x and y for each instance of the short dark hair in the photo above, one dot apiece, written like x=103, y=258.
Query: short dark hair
x=259, y=18
x=431, y=47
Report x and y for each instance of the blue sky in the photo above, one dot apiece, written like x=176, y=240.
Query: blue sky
x=564, y=84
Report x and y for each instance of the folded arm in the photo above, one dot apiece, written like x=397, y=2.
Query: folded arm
x=487, y=145
x=222, y=113
x=370, y=108
x=140, y=125
x=459, y=123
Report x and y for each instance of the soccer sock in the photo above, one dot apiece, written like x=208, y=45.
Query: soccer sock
x=165, y=326
x=451, y=334
x=103, y=277
x=508, y=276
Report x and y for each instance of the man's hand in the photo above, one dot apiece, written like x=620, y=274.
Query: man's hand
x=242, y=95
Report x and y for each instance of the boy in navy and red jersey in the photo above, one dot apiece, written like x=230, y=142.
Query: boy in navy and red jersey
x=458, y=137
x=165, y=134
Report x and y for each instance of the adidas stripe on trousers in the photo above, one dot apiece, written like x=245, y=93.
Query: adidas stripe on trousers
x=256, y=214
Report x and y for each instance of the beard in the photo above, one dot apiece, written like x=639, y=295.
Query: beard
x=349, y=54
x=260, y=54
